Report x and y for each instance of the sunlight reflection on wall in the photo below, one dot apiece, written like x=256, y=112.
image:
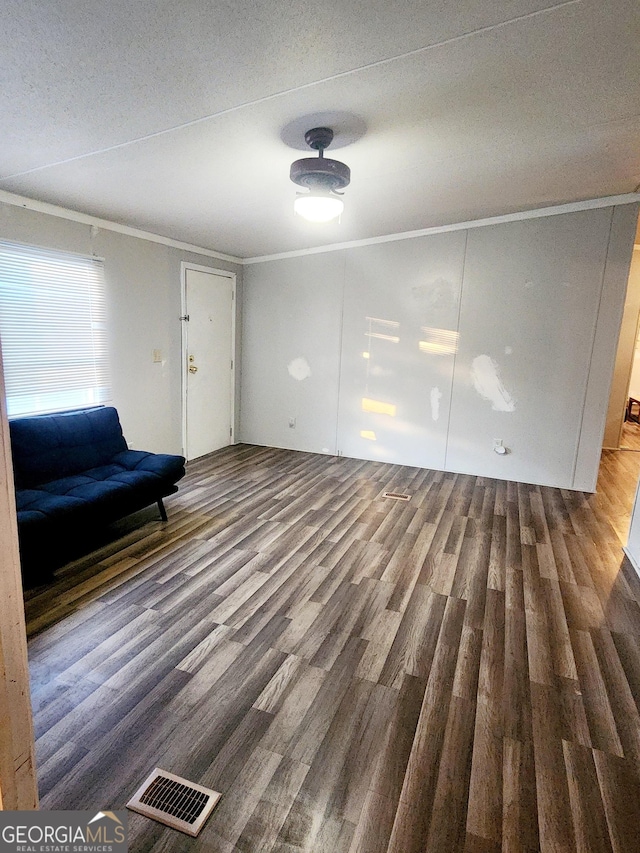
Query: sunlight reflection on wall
x=438, y=341
x=382, y=363
x=386, y=332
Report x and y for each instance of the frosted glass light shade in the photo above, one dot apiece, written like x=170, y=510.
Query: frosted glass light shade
x=318, y=208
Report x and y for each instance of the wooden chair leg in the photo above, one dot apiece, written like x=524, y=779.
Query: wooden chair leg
x=163, y=512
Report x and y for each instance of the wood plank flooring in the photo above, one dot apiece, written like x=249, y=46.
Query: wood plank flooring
x=355, y=674
x=630, y=438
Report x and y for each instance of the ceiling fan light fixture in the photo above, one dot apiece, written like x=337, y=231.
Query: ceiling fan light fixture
x=322, y=177
x=318, y=207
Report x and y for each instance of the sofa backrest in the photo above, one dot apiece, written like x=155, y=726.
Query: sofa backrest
x=48, y=447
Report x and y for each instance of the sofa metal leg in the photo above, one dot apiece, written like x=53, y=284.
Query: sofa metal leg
x=163, y=512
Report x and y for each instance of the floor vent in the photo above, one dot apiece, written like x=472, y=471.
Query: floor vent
x=174, y=801
x=396, y=496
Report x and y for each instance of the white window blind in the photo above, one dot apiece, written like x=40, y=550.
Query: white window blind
x=53, y=330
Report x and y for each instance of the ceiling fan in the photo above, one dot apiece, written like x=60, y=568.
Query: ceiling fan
x=323, y=178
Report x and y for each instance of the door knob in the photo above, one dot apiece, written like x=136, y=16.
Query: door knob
x=193, y=368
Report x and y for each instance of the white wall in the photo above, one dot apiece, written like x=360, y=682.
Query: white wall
x=508, y=322
x=634, y=382
x=541, y=298
x=292, y=330
x=632, y=549
x=530, y=304
x=634, y=282
x=400, y=297
x=626, y=375
x=143, y=303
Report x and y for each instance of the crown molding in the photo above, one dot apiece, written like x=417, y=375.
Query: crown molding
x=536, y=213
x=556, y=210
x=107, y=225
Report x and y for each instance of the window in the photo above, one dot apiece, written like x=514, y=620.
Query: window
x=53, y=330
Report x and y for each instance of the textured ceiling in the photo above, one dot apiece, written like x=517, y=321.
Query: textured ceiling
x=171, y=117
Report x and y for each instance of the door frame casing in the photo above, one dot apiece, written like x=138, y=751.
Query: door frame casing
x=18, y=783
x=185, y=266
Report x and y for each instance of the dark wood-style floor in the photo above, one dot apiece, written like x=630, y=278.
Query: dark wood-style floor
x=456, y=673
x=630, y=438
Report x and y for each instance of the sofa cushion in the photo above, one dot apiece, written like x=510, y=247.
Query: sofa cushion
x=50, y=447
x=37, y=504
x=164, y=466
x=105, y=492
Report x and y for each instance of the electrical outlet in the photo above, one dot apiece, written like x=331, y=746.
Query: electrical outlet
x=292, y=423
x=157, y=356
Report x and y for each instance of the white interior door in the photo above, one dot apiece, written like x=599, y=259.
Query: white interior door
x=208, y=361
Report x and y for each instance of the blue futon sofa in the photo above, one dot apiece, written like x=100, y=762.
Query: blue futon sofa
x=73, y=474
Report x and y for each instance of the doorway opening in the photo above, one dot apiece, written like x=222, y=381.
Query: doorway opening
x=622, y=429
x=630, y=435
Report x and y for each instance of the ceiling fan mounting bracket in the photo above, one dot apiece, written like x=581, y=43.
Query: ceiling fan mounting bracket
x=319, y=138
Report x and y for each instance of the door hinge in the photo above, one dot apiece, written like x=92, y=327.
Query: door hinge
x=231, y=364
x=230, y=432
x=186, y=317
